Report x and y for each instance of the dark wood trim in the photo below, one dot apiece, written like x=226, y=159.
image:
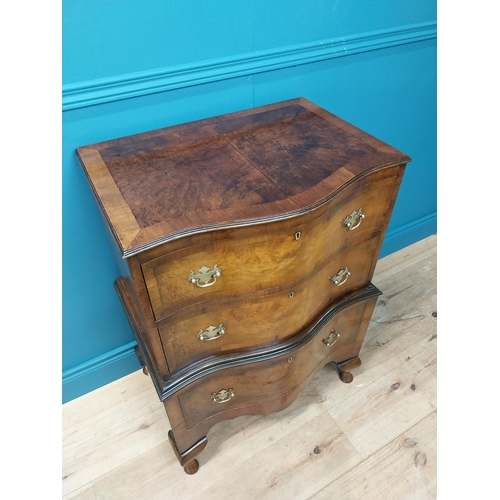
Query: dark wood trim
x=229, y=224
x=187, y=457
x=169, y=386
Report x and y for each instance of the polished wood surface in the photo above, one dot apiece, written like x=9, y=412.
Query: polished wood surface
x=257, y=319
x=263, y=197
x=268, y=255
x=256, y=384
x=262, y=164
x=362, y=441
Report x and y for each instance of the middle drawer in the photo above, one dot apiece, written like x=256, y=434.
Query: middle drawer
x=242, y=322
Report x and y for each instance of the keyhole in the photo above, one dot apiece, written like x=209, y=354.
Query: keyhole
x=298, y=234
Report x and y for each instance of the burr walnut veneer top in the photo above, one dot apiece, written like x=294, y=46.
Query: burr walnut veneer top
x=255, y=166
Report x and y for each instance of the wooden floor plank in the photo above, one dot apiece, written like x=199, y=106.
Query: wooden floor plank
x=404, y=469
x=420, y=252
x=394, y=336
x=261, y=476
x=384, y=409
x=156, y=470
x=115, y=439
x=232, y=444
x=84, y=493
x=311, y=451
x=394, y=345
x=96, y=441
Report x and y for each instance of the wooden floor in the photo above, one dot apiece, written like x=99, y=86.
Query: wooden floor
x=372, y=439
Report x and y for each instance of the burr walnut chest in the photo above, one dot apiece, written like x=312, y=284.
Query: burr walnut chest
x=246, y=245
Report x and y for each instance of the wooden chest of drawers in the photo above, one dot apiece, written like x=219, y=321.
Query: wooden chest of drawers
x=247, y=244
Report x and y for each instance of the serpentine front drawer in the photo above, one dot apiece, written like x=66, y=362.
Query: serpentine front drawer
x=259, y=318
x=256, y=384
x=238, y=261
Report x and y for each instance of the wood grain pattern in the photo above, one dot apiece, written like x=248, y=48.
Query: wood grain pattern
x=115, y=209
x=192, y=179
x=286, y=143
x=293, y=466
x=267, y=255
x=258, y=383
x=406, y=394
x=242, y=273
x=403, y=469
x=254, y=320
x=110, y=425
x=267, y=163
x=375, y=191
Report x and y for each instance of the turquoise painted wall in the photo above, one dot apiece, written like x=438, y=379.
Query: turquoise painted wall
x=133, y=66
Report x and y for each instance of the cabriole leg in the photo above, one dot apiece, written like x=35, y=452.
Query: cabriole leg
x=345, y=368
x=186, y=458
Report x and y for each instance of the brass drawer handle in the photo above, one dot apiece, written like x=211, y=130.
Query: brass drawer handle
x=223, y=396
x=332, y=338
x=211, y=333
x=205, y=275
x=353, y=221
x=341, y=277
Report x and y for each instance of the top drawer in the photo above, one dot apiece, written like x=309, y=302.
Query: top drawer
x=266, y=255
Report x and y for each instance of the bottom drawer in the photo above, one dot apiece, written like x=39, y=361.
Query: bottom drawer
x=249, y=385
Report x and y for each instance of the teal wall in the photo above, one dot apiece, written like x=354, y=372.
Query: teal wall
x=135, y=65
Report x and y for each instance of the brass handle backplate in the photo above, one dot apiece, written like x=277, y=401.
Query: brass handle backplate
x=205, y=275
x=341, y=277
x=211, y=333
x=223, y=396
x=352, y=221
x=332, y=338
